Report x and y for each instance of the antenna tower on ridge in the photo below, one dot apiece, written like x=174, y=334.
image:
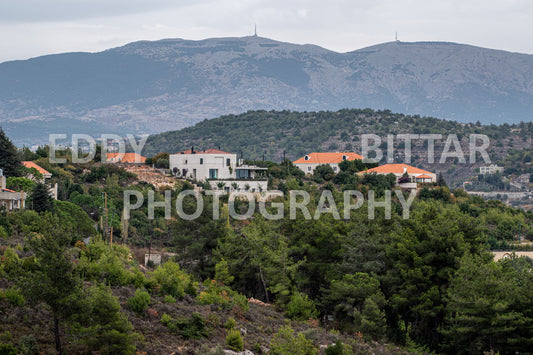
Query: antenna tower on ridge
x=255, y=30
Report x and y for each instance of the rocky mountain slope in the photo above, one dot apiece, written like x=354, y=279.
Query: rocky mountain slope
x=149, y=87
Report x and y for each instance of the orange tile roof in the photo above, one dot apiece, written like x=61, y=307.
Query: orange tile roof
x=423, y=176
x=396, y=169
x=207, y=151
x=127, y=158
x=327, y=158
x=30, y=164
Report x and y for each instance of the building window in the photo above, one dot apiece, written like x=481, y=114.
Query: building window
x=308, y=168
x=213, y=173
x=185, y=161
x=243, y=174
x=201, y=161
x=228, y=161
x=306, y=157
x=334, y=168
x=344, y=157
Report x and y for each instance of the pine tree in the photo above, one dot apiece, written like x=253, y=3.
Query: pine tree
x=40, y=198
x=440, y=180
x=53, y=281
x=9, y=156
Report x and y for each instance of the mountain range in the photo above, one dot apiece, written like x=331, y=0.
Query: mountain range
x=148, y=87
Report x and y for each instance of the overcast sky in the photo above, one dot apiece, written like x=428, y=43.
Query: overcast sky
x=30, y=28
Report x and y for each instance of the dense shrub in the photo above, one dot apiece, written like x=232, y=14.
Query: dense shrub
x=139, y=302
x=28, y=345
x=172, y=280
x=169, y=299
x=285, y=342
x=300, y=307
x=223, y=296
x=230, y=323
x=188, y=328
x=338, y=349
x=15, y=297
x=234, y=340
x=101, y=262
x=8, y=349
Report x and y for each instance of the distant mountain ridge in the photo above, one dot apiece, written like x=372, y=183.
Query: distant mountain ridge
x=149, y=87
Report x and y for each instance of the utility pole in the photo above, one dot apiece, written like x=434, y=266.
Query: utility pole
x=106, y=216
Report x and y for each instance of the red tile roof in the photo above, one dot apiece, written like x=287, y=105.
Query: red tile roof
x=327, y=158
x=396, y=169
x=30, y=164
x=423, y=176
x=207, y=151
x=127, y=158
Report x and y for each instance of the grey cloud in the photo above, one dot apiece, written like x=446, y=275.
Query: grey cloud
x=68, y=10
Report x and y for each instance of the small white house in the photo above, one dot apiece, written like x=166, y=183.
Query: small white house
x=491, y=169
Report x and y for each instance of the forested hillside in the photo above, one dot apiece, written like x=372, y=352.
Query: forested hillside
x=275, y=134
x=417, y=283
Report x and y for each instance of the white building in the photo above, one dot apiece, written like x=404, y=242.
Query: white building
x=491, y=169
x=10, y=199
x=221, y=169
x=309, y=162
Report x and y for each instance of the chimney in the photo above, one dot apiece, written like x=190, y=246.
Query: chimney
x=404, y=169
x=192, y=149
x=3, y=182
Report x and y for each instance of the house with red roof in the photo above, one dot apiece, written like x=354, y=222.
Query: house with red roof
x=30, y=164
x=45, y=173
x=129, y=158
x=217, y=166
x=403, y=172
x=309, y=162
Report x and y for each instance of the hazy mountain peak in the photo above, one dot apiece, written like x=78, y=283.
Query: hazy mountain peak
x=153, y=86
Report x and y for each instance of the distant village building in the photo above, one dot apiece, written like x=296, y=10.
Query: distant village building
x=309, y=162
x=524, y=178
x=218, y=167
x=10, y=199
x=129, y=158
x=411, y=174
x=491, y=169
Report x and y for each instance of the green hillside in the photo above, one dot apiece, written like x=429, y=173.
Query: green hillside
x=255, y=133
x=270, y=134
